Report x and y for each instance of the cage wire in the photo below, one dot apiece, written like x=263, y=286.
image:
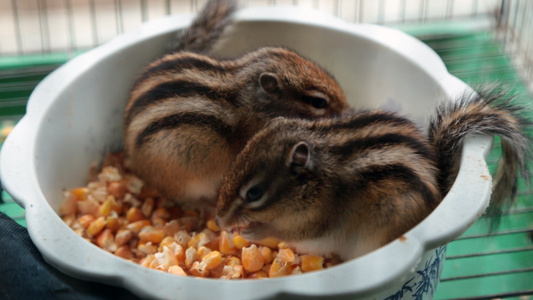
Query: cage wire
x=45, y=27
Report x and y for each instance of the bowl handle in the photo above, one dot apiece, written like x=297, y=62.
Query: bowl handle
x=15, y=163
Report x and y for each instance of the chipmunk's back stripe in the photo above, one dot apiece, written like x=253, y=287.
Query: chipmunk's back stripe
x=178, y=88
x=184, y=62
x=378, y=142
x=181, y=119
x=396, y=172
x=371, y=119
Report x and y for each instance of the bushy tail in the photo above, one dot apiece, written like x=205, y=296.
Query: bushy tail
x=207, y=27
x=489, y=111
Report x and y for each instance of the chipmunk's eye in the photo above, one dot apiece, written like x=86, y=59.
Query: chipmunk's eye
x=254, y=193
x=315, y=98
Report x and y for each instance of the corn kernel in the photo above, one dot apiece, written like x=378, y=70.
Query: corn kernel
x=96, y=226
x=68, y=207
x=105, y=208
x=134, y=214
x=252, y=259
x=105, y=240
x=225, y=245
x=286, y=255
x=190, y=256
x=123, y=236
x=124, y=252
x=233, y=261
x=176, y=270
x=279, y=268
x=147, y=207
x=311, y=263
x=198, y=240
x=267, y=254
x=80, y=193
x=147, y=248
x=166, y=258
x=136, y=227
x=258, y=275
x=160, y=213
x=167, y=241
x=112, y=223
x=272, y=243
x=239, y=241
x=88, y=206
x=171, y=228
x=178, y=251
x=117, y=189
x=203, y=251
x=86, y=220
x=212, y=260
x=212, y=225
x=199, y=270
x=151, y=234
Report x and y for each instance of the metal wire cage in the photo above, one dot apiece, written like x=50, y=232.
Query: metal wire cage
x=479, y=41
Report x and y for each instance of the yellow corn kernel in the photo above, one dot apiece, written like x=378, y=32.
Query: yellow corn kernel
x=286, y=255
x=212, y=225
x=239, y=241
x=311, y=263
x=147, y=261
x=176, y=270
x=124, y=252
x=225, y=244
x=151, y=234
x=123, y=236
x=198, y=270
x=178, y=251
x=105, y=240
x=80, y=193
x=105, y=208
x=203, y=251
x=279, y=268
x=252, y=259
x=272, y=243
x=198, y=240
x=147, y=207
x=147, y=248
x=117, y=189
x=96, y=226
x=89, y=206
x=160, y=213
x=212, y=260
x=134, y=214
x=68, y=207
x=267, y=254
x=113, y=223
x=233, y=261
x=167, y=241
x=182, y=238
x=166, y=258
x=190, y=256
x=258, y=275
x=136, y=227
x=86, y=220
x=171, y=228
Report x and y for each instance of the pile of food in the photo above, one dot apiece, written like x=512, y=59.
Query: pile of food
x=120, y=214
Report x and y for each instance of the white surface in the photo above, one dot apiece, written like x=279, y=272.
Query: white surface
x=75, y=115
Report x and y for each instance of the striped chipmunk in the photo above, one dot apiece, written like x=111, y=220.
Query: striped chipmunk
x=190, y=112
x=349, y=185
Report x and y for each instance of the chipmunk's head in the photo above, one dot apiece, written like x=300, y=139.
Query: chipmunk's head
x=295, y=86
x=271, y=189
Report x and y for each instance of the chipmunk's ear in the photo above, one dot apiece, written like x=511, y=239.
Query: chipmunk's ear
x=269, y=83
x=300, y=158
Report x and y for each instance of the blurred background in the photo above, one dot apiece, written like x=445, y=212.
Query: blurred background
x=479, y=40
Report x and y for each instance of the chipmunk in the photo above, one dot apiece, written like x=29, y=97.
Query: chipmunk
x=190, y=112
x=353, y=184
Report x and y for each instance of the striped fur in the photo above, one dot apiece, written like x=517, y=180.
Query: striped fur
x=345, y=185
x=190, y=113
x=350, y=185
x=492, y=111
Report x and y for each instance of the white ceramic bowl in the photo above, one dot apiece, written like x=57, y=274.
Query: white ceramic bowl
x=75, y=115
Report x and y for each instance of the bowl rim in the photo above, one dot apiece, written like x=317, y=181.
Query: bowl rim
x=17, y=169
